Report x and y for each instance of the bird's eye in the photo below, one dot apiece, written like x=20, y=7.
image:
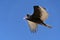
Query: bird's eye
x=28, y=15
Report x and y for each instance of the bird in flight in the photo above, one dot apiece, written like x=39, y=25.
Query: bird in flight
x=38, y=17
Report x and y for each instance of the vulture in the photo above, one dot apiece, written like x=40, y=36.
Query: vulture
x=38, y=17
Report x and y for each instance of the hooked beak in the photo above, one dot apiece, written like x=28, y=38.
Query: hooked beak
x=25, y=17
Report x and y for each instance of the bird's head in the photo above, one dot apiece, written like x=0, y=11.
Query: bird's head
x=27, y=16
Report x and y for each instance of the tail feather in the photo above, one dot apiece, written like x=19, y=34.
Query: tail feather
x=46, y=25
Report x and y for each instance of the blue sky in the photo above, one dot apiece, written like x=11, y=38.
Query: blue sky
x=13, y=27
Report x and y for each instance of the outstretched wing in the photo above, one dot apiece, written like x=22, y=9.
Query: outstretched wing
x=40, y=12
x=44, y=13
x=37, y=12
x=32, y=25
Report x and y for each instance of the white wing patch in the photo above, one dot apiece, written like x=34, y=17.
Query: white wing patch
x=32, y=25
x=44, y=14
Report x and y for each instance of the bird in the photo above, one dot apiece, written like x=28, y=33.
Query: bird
x=39, y=15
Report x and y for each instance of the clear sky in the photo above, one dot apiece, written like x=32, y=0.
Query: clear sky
x=14, y=27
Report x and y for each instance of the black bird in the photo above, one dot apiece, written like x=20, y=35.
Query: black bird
x=38, y=17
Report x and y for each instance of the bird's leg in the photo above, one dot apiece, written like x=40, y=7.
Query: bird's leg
x=46, y=25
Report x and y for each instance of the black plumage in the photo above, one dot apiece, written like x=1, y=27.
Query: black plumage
x=38, y=17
